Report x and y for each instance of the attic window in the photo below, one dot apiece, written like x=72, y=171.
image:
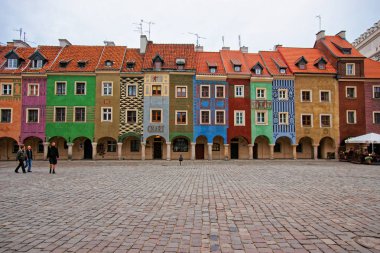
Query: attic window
x=180, y=63
x=237, y=65
x=37, y=64
x=258, y=69
x=63, y=63
x=320, y=63
x=212, y=66
x=282, y=70
x=82, y=63
x=301, y=63
x=212, y=69
x=157, y=62
x=130, y=64
x=237, y=68
x=346, y=50
x=12, y=63
x=108, y=63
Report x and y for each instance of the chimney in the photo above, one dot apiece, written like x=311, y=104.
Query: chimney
x=143, y=43
x=10, y=44
x=320, y=34
x=109, y=43
x=198, y=48
x=342, y=34
x=275, y=47
x=244, y=49
x=18, y=43
x=64, y=42
x=225, y=48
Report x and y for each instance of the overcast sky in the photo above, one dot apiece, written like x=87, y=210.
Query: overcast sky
x=261, y=24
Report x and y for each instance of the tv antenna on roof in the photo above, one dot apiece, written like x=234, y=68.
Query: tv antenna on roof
x=239, y=41
x=20, y=31
x=139, y=27
x=198, y=37
x=320, y=21
x=223, y=40
x=149, y=24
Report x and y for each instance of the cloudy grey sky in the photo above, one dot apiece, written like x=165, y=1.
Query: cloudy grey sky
x=261, y=24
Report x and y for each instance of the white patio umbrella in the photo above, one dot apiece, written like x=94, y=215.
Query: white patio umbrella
x=370, y=138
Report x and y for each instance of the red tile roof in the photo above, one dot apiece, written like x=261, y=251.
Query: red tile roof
x=251, y=60
x=273, y=61
x=371, y=68
x=75, y=54
x=169, y=53
x=132, y=55
x=23, y=53
x=50, y=53
x=3, y=51
x=115, y=54
x=230, y=56
x=206, y=59
x=291, y=55
x=334, y=42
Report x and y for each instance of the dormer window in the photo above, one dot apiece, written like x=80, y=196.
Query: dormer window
x=157, y=65
x=157, y=62
x=82, y=63
x=130, y=64
x=237, y=65
x=63, y=63
x=37, y=64
x=108, y=63
x=13, y=60
x=237, y=68
x=212, y=70
x=258, y=68
x=282, y=70
x=344, y=50
x=212, y=67
x=12, y=63
x=180, y=63
x=301, y=63
x=320, y=63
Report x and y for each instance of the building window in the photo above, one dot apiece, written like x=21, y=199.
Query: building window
x=132, y=117
x=37, y=64
x=12, y=63
x=132, y=90
x=156, y=116
x=6, y=115
x=111, y=146
x=350, y=92
x=258, y=71
x=277, y=147
x=219, y=117
x=108, y=63
x=135, y=145
x=156, y=90
x=376, y=91
x=205, y=91
x=260, y=93
x=181, y=91
x=40, y=148
x=325, y=120
x=351, y=117
x=237, y=68
x=60, y=114
x=181, y=118
x=321, y=65
x=325, y=96
x=219, y=91
x=60, y=88
x=6, y=89
x=350, y=69
x=80, y=114
x=261, y=117
x=282, y=71
x=239, y=117
x=107, y=89
x=302, y=65
x=107, y=114
x=180, y=145
x=212, y=70
x=376, y=117
x=239, y=91
x=157, y=65
x=33, y=89
x=32, y=115
x=205, y=117
x=305, y=96
x=283, y=94
x=306, y=120
x=215, y=147
x=80, y=88
x=283, y=118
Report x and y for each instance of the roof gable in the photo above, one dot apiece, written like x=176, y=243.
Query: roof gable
x=37, y=55
x=12, y=55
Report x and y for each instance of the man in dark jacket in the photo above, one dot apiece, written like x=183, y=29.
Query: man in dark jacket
x=20, y=156
x=53, y=155
x=29, y=158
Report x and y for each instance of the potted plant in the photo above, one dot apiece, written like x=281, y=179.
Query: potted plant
x=368, y=159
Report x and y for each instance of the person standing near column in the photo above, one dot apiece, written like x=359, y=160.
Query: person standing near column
x=53, y=155
x=20, y=156
x=29, y=158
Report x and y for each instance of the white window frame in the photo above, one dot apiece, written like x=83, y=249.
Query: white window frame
x=282, y=71
x=55, y=114
x=85, y=88
x=137, y=92
x=11, y=66
x=27, y=115
x=348, y=111
x=285, y=92
x=224, y=91
x=243, y=117
x=258, y=71
x=265, y=93
x=311, y=120
x=224, y=117
x=55, y=88
x=29, y=89
x=311, y=96
x=2, y=89
x=200, y=117
x=265, y=117
x=6, y=108
x=37, y=65
x=200, y=91
x=237, y=68
x=126, y=116
x=181, y=124
x=103, y=85
x=102, y=114
x=320, y=96
x=85, y=114
x=286, y=118
x=181, y=86
x=373, y=91
x=353, y=69
x=373, y=116
x=320, y=120
x=355, y=92
x=212, y=70
x=151, y=115
x=236, y=87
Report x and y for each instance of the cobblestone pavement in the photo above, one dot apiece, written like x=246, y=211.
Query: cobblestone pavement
x=235, y=206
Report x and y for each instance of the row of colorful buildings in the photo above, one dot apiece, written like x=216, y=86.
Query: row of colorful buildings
x=162, y=100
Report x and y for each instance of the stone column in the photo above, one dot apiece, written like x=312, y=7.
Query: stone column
x=193, y=151
x=70, y=151
x=94, y=144
x=119, y=148
x=168, y=150
x=209, y=151
x=142, y=151
x=315, y=148
x=46, y=146
x=294, y=146
x=271, y=151
x=226, y=151
x=250, y=148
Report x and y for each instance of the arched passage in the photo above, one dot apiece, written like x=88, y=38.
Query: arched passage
x=200, y=147
x=261, y=149
x=326, y=148
x=305, y=148
x=218, y=148
x=155, y=147
x=181, y=146
x=106, y=148
x=239, y=148
x=283, y=148
x=37, y=146
x=61, y=144
x=9, y=148
x=131, y=148
x=82, y=148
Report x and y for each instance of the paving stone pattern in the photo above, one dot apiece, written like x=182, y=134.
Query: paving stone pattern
x=234, y=206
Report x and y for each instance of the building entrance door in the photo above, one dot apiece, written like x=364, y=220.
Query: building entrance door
x=87, y=149
x=234, y=149
x=157, y=148
x=199, y=151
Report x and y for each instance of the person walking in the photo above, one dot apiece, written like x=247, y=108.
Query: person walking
x=53, y=155
x=180, y=159
x=20, y=156
x=29, y=158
